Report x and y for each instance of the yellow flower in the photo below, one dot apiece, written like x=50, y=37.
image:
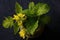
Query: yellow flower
x=22, y=33
x=20, y=23
x=16, y=17
x=21, y=15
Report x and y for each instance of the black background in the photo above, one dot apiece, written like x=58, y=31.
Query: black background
x=51, y=31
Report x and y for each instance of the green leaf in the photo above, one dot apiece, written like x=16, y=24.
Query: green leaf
x=31, y=8
x=16, y=28
x=31, y=5
x=38, y=5
x=42, y=8
x=34, y=27
x=31, y=25
x=26, y=12
x=8, y=22
x=18, y=8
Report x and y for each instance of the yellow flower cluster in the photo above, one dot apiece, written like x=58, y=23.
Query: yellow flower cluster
x=22, y=33
x=21, y=15
x=18, y=16
x=19, y=19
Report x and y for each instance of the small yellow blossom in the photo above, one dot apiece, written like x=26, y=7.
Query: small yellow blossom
x=24, y=18
x=16, y=17
x=21, y=15
x=22, y=33
x=20, y=23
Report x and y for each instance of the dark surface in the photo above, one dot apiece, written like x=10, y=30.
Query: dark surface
x=52, y=30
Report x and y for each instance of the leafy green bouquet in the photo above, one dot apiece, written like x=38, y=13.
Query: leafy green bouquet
x=27, y=21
